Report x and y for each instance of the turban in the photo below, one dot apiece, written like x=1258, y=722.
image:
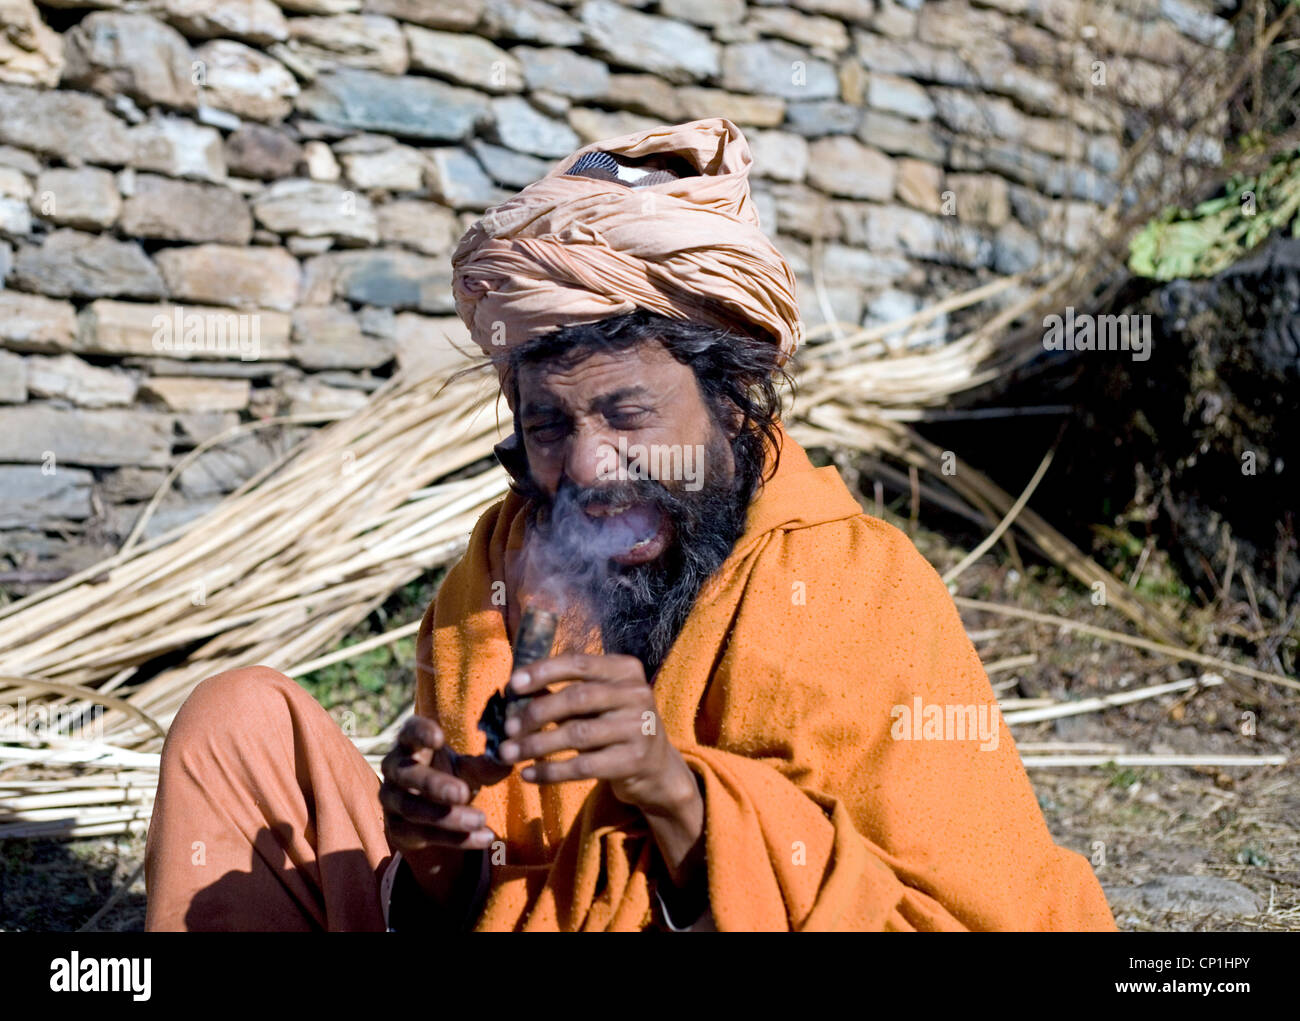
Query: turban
x=660, y=219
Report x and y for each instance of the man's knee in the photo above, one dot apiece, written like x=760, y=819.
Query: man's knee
x=228, y=703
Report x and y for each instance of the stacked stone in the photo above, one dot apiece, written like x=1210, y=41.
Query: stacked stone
x=309, y=165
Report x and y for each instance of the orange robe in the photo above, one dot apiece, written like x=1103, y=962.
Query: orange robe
x=782, y=693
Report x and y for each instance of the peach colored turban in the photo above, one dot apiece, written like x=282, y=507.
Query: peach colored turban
x=660, y=219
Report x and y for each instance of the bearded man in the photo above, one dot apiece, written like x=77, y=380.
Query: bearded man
x=718, y=739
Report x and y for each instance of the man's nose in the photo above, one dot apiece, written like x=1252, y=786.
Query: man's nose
x=592, y=457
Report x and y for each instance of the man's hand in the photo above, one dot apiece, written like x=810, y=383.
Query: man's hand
x=426, y=797
x=610, y=718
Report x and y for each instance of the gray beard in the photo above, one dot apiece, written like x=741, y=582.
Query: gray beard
x=640, y=609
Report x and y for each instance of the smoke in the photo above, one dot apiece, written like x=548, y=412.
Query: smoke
x=636, y=609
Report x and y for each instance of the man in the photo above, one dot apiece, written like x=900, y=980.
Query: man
x=724, y=735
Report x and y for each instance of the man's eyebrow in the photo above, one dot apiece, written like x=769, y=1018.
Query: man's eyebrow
x=621, y=395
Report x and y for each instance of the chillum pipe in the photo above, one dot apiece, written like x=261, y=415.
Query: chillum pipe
x=533, y=641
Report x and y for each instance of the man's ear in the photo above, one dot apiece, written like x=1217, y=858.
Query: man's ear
x=732, y=420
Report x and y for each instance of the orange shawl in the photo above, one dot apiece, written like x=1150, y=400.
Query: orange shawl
x=781, y=693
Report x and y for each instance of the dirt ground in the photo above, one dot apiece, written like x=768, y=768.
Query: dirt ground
x=1177, y=849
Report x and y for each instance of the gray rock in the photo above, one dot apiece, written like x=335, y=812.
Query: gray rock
x=529, y=21
x=254, y=277
x=457, y=180
x=66, y=377
x=107, y=439
x=563, y=72
x=521, y=127
x=704, y=12
x=86, y=197
x=259, y=22
x=643, y=93
x=255, y=150
x=32, y=322
x=330, y=337
x=432, y=345
x=1015, y=249
x=368, y=41
x=840, y=165
x=423, y=226
x=913, y=233
x=459, y=14
x=186, y=211
x=31, y=53
x=15, y=217
x=408, y=106
x=822, y=117
x=226, y=466
x=980, y=198
x=195, y=427
x=310, y=396
x=1201, y=25
x=123, y=328
x=19, y=159
x=828, y=34
x=245, y=82
x=805, y=212
x=173, y=512
x=320, y=161
x=757, y=111
x=391, y=279
x=78, y=265
x=1198, y=894
x=844, y=264
x=780, y=155
x=194, y=394
x=507, y=167
x=132, y=483
x=675, y=51
x=397, y=168
x=316, y=209
x=178, y=148
x=29, y=495
x=595, y=125
x=778, y=69
x=65, y=124
x=130, y=54
x=898, y=95
x=1062, y=178
x=13, y=378
x=467, y=59
x=323, y=6
x=912, y=59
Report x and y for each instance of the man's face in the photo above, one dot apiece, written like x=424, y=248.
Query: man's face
x=636, y=550
x=614, y=427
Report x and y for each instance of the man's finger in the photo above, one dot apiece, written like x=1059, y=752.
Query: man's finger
x=416, y=809
x=575, y=700
x=575, y=735
x=577, y=666
x=420, y=732
x=409, y=836
x=612, y=763
x=412, y=775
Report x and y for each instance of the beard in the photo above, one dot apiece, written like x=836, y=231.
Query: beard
x=639, y=609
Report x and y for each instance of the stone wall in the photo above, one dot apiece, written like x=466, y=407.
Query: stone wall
x=309, y=164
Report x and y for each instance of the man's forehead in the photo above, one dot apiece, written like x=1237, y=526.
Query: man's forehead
x=644, y=371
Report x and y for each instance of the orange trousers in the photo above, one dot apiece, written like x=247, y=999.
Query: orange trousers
x=267, y=815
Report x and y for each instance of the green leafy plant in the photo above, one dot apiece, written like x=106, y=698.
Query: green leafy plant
x=1207, y=239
